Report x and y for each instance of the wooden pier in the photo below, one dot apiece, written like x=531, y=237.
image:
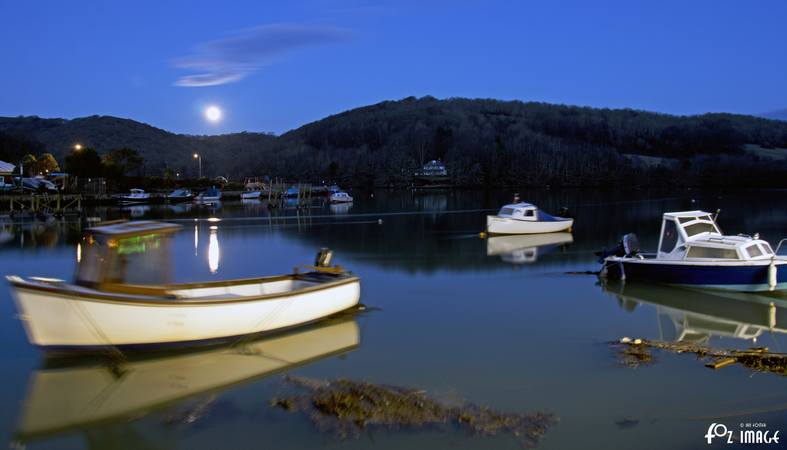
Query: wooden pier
x=35, y=204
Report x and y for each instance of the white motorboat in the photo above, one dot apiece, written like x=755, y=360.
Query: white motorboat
x=179, y=195
x=63, y=399
x=250, y=195
x=525, y=218
x=341, y=197
x=524, y=249
x=122, y=298
x=208, y=197
x=135, y=196
x=693, y=252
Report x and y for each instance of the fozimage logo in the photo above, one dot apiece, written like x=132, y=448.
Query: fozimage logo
x=749, y=433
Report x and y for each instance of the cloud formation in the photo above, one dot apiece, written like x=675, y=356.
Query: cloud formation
x=233, y=58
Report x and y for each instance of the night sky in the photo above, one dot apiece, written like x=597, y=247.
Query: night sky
x=272, y=66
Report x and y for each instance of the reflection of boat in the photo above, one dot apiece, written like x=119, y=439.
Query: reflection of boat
x=180, y=195
x=209, y=196
x=66, y=399
x=137, y=211
x=524, y=218
x=341, y=197
x=520, y=249
x=121, y=296
x=135, y=196
x=697, y=315
x=340, y=208
x=693, y=252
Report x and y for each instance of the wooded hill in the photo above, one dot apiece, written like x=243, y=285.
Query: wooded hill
x=483, y=143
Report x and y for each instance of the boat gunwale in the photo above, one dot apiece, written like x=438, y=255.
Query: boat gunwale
x=778, y=260
x=171, y=301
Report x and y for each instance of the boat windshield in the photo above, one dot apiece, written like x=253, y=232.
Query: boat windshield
x=128, y=260
x=699, y=228
x=506, y=211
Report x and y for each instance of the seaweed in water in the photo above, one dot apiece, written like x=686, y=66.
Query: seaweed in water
x=634, y=352
x=346, y=407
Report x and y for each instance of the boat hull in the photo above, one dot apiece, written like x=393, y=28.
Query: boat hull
x=504, y=225
x=753, y=276
x=56, y=319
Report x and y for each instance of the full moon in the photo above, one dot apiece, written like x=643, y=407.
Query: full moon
x=213, y=113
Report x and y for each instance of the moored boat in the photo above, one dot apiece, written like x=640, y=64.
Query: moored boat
x=135, y=196
x=692, y=251
x=180, y=195
x=209, y=196
x=341, y=197
x=122, y=298
x=250, y=195
x=525, y=218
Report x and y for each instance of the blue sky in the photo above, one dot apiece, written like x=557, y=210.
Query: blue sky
x=273, y=66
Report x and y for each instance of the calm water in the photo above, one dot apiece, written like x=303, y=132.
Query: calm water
x=498, y=322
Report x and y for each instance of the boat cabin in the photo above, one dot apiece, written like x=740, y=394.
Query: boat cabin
x=125, y=253
x=519, y=211
x=691, y=235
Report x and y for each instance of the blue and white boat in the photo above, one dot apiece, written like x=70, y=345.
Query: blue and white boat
x=693, y=252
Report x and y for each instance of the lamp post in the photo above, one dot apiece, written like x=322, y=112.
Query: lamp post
x=199, y=161
x=77, y=147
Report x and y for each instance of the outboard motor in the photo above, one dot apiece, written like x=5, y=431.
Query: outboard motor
x=323, y=258
x=628, y=247
x=564, y=212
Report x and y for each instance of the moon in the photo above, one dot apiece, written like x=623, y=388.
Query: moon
x=213, y=113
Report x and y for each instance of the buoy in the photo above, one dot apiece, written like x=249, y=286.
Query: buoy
x=379, y=221
x=772, y=275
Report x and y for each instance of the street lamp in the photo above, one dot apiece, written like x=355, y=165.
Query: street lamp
x=199, y=160
x=77, y=147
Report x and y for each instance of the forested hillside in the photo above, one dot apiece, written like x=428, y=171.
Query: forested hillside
x=483, y=143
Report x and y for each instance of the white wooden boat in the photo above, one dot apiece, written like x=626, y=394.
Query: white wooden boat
x=693, y=252
x=525, y=248
x=525, y=218
x=341, y=197
x=64, y=399
x=121, y=297
x=135, y=196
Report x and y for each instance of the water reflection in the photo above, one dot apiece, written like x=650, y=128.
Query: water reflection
x=214, y=253
x=526, y=248
x=340, y=208
x=698, y=315
x=81, y=395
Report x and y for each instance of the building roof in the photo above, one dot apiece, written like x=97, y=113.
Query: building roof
x=136, y=228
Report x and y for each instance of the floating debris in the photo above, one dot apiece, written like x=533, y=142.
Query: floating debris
x=346, y=407
x=635, y=352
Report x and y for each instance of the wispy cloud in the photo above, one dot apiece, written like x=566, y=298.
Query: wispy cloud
x=235, y=57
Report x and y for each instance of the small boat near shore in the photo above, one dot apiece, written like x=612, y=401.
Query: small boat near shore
x=208, y=197
x=525, y=218
x=135, y=196
x=121, y=297
x=341, y=197
x=692, y=251
x=250, y=195
x=180, y=195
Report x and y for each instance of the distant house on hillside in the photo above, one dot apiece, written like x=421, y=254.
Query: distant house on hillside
x=433, y=172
